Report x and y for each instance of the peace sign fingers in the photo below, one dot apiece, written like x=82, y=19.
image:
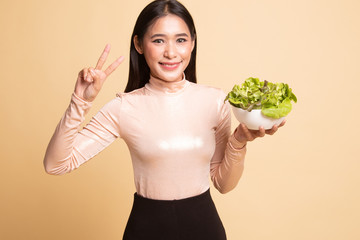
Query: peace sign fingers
x=103, y=57
x=90, y=80
x=102, y=61
x=114, y=65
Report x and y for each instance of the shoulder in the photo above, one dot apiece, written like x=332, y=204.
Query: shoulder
x=213, y=100
x=139, y=91
x=121, y=96
x=210, y=97
x=120, y=99
x=131, y=97
x=120, y=103
x=208, y=91
x=111, y=106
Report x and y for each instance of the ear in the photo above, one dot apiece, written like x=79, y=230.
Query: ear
x=138, y=46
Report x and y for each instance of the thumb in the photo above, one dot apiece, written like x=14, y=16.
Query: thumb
x=97, y=81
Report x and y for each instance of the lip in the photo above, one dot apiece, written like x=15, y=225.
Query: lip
x=169, y=65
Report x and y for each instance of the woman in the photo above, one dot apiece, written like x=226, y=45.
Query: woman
x=177, y=131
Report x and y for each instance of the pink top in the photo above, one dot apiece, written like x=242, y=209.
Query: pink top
x=178, y=135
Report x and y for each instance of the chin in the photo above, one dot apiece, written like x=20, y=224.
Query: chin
x=169, y=77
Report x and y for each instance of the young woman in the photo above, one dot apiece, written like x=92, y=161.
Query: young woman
x=177, y=131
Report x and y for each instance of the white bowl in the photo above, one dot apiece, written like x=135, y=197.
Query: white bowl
x=254, y=119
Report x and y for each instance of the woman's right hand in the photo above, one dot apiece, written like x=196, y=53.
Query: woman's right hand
x=90, y=80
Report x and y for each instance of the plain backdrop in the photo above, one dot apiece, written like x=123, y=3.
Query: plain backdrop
x=302, y=183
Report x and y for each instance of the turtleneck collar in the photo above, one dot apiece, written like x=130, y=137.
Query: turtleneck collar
x=164, y=87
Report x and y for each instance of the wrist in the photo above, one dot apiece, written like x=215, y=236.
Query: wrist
x=236, y=144
x=241, y=141
x=81, y=98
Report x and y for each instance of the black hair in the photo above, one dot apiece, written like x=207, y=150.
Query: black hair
x=139, y=72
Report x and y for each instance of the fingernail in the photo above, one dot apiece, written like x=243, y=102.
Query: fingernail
x=92, y=72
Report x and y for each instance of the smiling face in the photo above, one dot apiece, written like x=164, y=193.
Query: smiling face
x=167, y=47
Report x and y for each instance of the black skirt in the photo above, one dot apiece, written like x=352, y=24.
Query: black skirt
x=193, y=218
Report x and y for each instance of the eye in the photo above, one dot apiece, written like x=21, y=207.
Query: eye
x=158, y=41
x=181, y=40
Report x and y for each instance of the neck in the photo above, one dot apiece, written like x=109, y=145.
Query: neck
x=167, y=86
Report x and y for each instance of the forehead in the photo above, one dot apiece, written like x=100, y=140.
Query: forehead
x=168, y=25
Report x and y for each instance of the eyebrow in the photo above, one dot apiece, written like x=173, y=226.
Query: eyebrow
x=164, y=35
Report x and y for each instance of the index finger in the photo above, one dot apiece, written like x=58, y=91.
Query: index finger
x=282, y=123
x=272, y=130
x=114, y=65
x=103, y=57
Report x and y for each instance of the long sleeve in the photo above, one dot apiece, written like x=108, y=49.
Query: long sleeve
x=227, y=163
x=69, y=148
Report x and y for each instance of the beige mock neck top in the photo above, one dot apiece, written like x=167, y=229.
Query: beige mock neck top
x=178, y=135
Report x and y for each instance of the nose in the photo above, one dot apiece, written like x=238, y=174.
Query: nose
x=170, y=50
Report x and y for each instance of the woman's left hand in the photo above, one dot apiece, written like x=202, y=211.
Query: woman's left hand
x=244, y=135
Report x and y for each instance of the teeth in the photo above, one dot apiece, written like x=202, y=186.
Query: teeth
x=169, y=65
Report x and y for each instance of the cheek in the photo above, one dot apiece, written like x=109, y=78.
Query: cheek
x=151, y=53
x=185, y=51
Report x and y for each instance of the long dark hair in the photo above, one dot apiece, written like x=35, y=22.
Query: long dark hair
x=139, y=72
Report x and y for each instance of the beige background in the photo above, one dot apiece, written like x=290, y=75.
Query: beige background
x=302, y=183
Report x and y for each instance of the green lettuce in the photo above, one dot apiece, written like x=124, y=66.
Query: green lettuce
x=274, y=99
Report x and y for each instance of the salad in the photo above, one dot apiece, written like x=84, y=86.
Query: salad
x=274, y=99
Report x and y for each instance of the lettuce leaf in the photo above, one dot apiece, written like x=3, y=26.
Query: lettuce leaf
x=274, y=99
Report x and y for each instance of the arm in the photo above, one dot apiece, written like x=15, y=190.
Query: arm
x=227, y=163
x=69, y=148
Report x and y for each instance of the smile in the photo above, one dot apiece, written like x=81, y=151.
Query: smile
x=169, y=65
